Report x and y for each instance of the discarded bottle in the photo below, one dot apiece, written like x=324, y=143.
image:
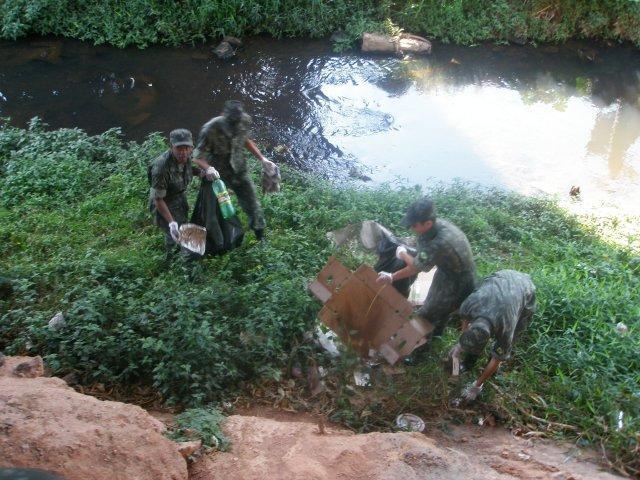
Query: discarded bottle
x=224, y=200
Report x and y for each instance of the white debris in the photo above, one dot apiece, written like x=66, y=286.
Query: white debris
x=327, y=342
x=57, y=322
x=621, y=328
x=362, y=379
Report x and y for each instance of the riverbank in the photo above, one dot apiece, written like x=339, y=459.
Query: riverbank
x=76, y=238
x=143, y=23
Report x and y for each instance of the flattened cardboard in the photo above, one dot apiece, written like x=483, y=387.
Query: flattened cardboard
x=366, y=314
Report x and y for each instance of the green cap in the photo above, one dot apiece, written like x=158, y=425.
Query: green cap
x=180, y=137
x=419, y=211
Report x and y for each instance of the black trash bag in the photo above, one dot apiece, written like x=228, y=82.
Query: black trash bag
x=387, y=262
x=222, y=234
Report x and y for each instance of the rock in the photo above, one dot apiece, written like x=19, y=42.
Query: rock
x=339, y=37
x=404, y=43
x=225, y=51
x=51, y=427
x=30, y=368
x=1, y=359
x=71, y=379
x=57, y=322
x=187, y=449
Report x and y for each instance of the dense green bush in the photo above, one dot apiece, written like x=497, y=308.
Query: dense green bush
x=145, y=22
x=75, y=236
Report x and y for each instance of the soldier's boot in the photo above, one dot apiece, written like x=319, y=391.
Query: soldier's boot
x=259, y=232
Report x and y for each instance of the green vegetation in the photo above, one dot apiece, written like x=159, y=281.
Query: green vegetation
x=75, y=236
x=146, y=22
x=204, y=424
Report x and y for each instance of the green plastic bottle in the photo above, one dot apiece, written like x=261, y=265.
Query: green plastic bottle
x=224, y=200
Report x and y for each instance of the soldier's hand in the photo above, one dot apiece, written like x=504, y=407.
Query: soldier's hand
x=211, y=174
x=400, y=251
x=174, y=231
x=269, y=167
x=471, y=392
x=385, y=277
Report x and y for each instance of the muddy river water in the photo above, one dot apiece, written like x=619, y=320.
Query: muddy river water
x=534, y=120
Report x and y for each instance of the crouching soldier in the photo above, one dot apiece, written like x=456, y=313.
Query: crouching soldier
x=499, y=309
x=443, y=245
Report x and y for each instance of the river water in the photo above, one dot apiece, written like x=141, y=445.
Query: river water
x=533, y=120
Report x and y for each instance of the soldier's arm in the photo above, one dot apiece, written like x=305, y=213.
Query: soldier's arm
x=201, y=147
x=489, y=370
x=406, y=272
x=255, y=151
x=161, y=205
x=159, y=184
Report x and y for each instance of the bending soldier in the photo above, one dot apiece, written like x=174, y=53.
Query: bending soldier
x=500, y=308
x=443, y=245
x=221, y=143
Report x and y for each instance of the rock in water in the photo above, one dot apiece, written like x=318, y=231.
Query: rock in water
x=225, y=51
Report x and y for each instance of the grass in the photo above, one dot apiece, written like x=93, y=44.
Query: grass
x=144, y=22
x=76, y=238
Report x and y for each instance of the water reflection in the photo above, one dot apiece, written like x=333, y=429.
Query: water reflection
x=528, y=119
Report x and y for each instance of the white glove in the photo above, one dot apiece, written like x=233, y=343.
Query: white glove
x=174, y=231
x=211, y=174
x=384, y=277
x=471, y=392
x=400, y=251
x=269, y=167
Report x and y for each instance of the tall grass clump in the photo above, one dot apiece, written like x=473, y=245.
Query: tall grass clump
x=76, y=237
x=144, y=22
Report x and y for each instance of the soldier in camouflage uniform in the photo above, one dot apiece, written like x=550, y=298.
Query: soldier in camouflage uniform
x=169, y=175
x=443, y=245
x=221, y=143
x=500, y=308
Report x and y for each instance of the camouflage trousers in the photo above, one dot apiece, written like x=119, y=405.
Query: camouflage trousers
x=245, y=191
x=445, y=296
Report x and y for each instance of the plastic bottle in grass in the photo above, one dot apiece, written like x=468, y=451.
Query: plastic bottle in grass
x=224, y=200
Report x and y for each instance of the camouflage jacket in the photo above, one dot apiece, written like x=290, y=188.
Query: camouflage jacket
x=503, y=299
x=169, y=180
x=222, y=147
x=445, y=246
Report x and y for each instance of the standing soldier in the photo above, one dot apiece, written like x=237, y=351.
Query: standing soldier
x=501, y=308
x=221, y=143
x=169, y=175
x=443, y=245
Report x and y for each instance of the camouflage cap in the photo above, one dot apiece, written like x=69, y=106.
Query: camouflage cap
x=419, y=211
x=475, y=338
x=181, y=136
